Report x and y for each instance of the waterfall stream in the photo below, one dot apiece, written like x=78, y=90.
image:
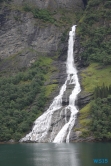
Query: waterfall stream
x=44, y=129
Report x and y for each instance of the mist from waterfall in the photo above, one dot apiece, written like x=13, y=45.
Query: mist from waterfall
x=43, y=125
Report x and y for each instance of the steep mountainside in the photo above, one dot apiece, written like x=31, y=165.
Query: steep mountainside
x=94, y=29
x=33, y=49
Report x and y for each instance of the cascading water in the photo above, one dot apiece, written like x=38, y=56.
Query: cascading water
x=42, y=129
x=72, y=78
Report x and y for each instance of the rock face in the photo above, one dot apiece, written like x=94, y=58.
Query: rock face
x=67, y=93
x=53, y=4
x=24, y=39
x=20, y=31
x=83, y=99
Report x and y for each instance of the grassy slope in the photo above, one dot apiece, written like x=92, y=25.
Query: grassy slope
x=95, y=75
x=94, y=30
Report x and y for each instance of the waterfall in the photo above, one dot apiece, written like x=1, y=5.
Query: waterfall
x=72, y=78
x=43, y=130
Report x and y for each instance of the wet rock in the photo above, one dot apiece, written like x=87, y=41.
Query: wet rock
x=59, y=118
x=67, y=93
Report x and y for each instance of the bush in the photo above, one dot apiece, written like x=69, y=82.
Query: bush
x=101, y=118
x=42, y=14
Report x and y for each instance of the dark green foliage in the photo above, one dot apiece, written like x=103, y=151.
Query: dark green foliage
x=42, y=14
x=94, y=3
x=108, y=4
x=27, y=8
x=95, y=32
x=101, y=113
x=17, y=93
x=101, y=118
x=64, y=35
x=102, y=92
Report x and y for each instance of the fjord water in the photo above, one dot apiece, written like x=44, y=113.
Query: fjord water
x=51, y=154
x=42, y=125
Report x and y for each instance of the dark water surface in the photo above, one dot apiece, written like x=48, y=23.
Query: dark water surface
x=49, y=154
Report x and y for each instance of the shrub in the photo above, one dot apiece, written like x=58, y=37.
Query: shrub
x=101, y=118
x=42, y=14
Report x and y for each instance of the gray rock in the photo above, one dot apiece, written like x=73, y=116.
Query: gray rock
x=16, y=36
x=23, y=39
x=67, y=93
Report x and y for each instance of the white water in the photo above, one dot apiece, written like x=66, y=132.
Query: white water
x=72, y=78
x=43, y=123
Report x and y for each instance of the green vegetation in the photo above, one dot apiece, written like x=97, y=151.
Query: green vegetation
x=95, y=29
x=84, y=121
x=101, y=113
x=64, y=35
x=85, y=112
x=102, y=92
x=95, y=75
x=59, y=17
x=96, y=79
x=101, y=118
x=22, y=99
x=95, y=117
x=42, y=14
x=49, y=89
x=23, y=96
